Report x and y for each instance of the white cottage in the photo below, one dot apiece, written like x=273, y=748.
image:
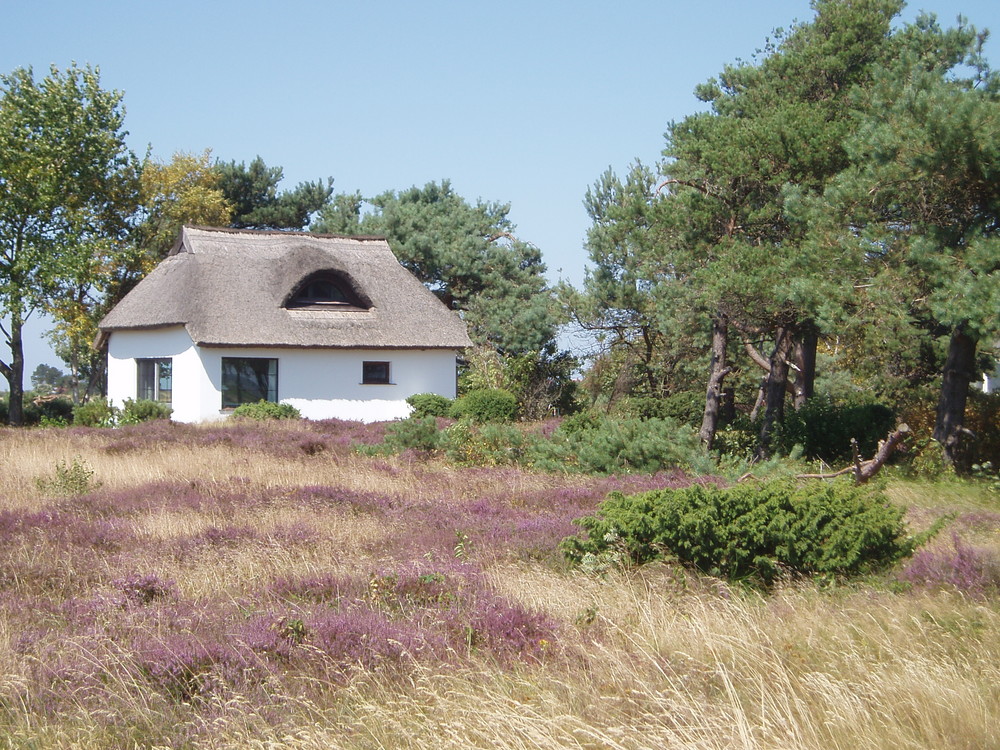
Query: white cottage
x=333, y=325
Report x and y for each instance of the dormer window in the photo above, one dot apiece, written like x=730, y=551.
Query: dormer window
x=325, y=291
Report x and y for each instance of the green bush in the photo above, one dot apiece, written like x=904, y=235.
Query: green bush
x=415, y=433
x=58, y=411
x=486, y=405
x=68, y=480
x=582, y=420
x=488, y=445
x=95, y=413
x=824, y=429
x=738, y=439
x=263, y=410
x=609, y=446
x=143, y=410
x=753, y=531
x=429, y=405
x=685, y=407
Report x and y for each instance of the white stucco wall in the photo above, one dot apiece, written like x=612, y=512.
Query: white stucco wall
x=321, y=383
x=190, y=381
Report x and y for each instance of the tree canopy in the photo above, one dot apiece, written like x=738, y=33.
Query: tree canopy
x=252, y=192
x=795, y=209
x=68, y=186
x=467, y=254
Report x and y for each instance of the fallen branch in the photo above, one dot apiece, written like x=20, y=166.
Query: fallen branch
x=865, y=470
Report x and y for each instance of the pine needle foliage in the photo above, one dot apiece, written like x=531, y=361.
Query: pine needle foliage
x=755, y=531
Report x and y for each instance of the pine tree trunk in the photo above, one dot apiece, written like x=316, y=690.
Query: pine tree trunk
x=959, y=370
x=804, y=357
x=717, y=374
x=775, y=386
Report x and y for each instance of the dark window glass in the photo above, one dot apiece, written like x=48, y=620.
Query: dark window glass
x=373, y=373
x=247, y=380
x=323, y=291
x=154, y=380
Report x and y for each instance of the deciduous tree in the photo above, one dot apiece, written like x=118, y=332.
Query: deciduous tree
x=68, y=185
x=184, y=190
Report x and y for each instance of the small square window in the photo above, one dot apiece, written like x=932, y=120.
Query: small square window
x=375, y=373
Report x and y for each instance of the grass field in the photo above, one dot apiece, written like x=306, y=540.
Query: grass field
x=266, y=587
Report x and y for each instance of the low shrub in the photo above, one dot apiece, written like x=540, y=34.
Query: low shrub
x=610, y=446
x=264, y=410
x=429, y=405
x=58, y=411
x=143, y=410
x=737, y=439
x=486, y=445
x=415, y=433
x=685, y=407
x=582, y=420
x=486, y=405
x=99, y=413
x=68, y=479
x=753, y=531
x=95, y=413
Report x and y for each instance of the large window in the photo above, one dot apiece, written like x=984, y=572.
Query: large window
x=154, y=380
x=247, y=380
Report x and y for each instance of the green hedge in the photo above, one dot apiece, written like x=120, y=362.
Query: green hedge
x=263, y=410
x=824, y=429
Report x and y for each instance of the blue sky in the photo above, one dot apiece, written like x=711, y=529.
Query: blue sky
x=521, y=102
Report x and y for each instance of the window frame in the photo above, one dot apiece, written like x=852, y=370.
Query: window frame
x=270, y=388
x=367, y=377
x=153, y=390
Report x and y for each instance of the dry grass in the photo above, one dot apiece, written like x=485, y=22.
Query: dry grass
x=649, y=658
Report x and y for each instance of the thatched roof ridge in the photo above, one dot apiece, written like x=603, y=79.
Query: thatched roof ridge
x=228, y=287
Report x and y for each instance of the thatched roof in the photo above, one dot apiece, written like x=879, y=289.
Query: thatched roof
x=229, y=287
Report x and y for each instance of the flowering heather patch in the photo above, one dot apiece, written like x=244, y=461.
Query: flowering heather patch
x=184, y=666
x=324, y=496
x=140, y=590
x=56, y=527
x=318, y=589
x=368, y=638
x=973, y=571
x=287, y=439
x=323, y=626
